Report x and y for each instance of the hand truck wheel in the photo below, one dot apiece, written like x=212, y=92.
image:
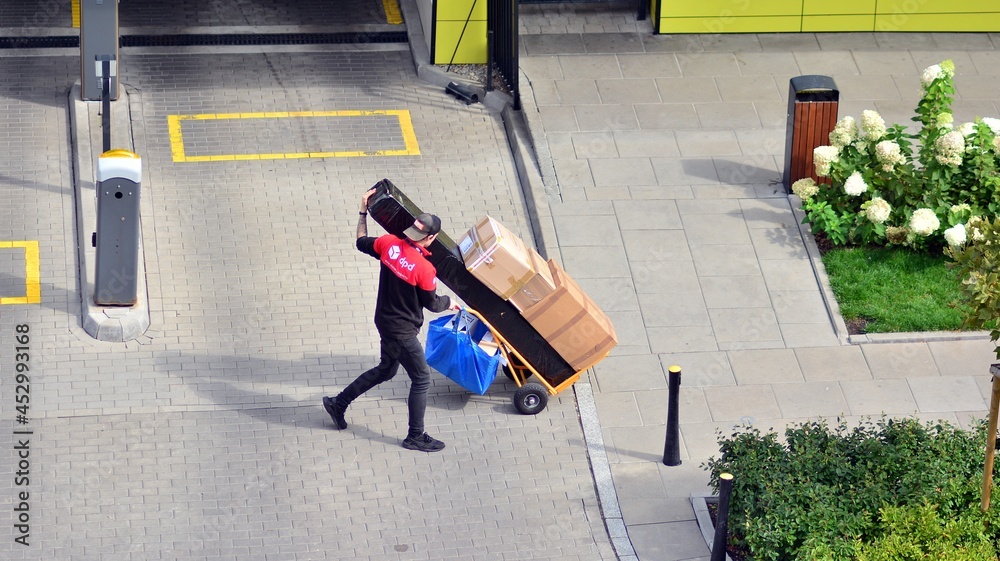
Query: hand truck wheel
x=530, y=399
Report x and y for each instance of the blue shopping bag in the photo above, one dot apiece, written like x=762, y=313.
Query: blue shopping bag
x=453, y=350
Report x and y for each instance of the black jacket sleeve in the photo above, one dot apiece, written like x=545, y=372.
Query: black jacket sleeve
x=366, y=244
x=434, y=302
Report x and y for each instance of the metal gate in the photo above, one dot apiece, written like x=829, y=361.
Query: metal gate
x=502, y=46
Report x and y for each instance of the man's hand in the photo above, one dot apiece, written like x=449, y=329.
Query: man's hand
x=455, y=305
x=364, y=198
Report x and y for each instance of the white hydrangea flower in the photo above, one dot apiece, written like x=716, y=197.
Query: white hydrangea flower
x=950, y=148
x=872, y=125
x=945, y=120
x=963, y=207
x=994, y=124
x=930, y=74
x=844, y=133
x=805, y=188
x=996, y=146
x=967, y=128
x=924, y=222
x=823, y=158
x=889, y=155
x=855, y=185
x=877, y=210
x=955, y=235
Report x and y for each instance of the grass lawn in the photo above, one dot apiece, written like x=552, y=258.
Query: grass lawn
x=883, y=290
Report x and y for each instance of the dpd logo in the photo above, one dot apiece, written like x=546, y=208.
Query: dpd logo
x=394, y=252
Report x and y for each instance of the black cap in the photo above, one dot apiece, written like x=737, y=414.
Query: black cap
x=425, y=225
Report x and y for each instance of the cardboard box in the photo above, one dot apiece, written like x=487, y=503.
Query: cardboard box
x=540, y=285
x=572, y=323
x=496, y=257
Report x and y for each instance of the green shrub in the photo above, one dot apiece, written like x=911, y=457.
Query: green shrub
x=828, y=493
x=881, y=193
x=976, y=259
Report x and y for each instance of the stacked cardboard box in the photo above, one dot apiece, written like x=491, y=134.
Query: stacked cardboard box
x=551, y=301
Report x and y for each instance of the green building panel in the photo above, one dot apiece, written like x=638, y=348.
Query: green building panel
x=471, y=50
x=840, y=8
x=776, y=16
x=979, y=22
x=772, y=24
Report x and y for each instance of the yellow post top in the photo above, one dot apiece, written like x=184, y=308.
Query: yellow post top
x=674, y=368
x=119, y=153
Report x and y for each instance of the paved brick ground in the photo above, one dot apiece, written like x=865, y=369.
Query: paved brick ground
x=205, y=439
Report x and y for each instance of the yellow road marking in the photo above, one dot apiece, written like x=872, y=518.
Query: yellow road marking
x=392, y=13
x=76, y=13
x=32, y=273
x=177, y=136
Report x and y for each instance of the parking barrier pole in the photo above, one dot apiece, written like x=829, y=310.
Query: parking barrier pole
x=672, y=447
x=722, y=518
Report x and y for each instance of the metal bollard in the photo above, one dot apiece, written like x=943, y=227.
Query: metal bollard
x=722, y=518
x=672, y=446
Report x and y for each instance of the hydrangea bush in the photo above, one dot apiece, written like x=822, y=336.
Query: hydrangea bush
x=890, y=186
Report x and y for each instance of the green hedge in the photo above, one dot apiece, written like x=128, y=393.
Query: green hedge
x=884, y=490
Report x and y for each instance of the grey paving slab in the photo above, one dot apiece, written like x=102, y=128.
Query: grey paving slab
x=769, y=366
x=727, y=115
x=648, y=66
x=676, y=171
x=594, y=145
x=646, y=143
x=767, y=63
x=623, y=171
x=576, y=91
x=708, y=64
x=811, y=400
x=734, y=291
x=696, y=143
x=633, y=90
x=688, y=89
x=670, y=117
x=743, y=328
x=606, y=117
x=701, y=368
x=630, y=373
x=877, y=397
x=823, y=364
x=720, y=259
x=672, y=541
x=736, y=403
x=963, y=358
x=900, y=360
x=942, y=395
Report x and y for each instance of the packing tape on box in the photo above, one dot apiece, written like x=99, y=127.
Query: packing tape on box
x=516, y=284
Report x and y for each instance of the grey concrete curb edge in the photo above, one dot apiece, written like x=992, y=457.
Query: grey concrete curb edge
x=113, y=324
x=700, y=502
x=601, y=467
x=833, y=309
x=819, y=271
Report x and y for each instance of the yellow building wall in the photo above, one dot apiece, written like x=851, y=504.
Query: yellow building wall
x=770, y=16
x=450, y=18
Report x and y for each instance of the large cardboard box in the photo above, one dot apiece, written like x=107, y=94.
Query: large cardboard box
x=496, y=257
x=572, y=323
x=540, y=285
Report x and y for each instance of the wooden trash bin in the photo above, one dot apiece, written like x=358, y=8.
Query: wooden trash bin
x=812, y=114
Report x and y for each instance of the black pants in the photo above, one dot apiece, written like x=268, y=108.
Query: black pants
x=409, y=354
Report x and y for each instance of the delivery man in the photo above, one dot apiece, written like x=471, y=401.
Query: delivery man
x=407, y=285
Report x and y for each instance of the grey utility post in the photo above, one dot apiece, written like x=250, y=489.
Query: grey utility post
x=117, y=268
x=98, y=42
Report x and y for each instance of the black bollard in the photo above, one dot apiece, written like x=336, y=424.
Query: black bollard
x=722, y=518
x=672, y=447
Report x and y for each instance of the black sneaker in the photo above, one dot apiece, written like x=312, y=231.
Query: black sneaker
x=336, y=413
x=423, y=443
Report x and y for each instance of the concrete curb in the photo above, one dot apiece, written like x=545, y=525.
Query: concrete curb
x=601, y=467
x=700, y=502
x=104, y=323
